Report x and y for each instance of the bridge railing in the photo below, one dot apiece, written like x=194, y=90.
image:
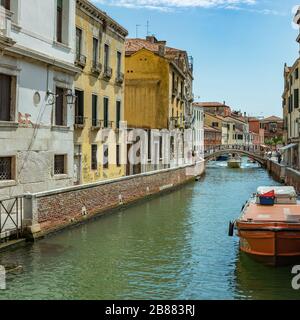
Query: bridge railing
x=254, y=149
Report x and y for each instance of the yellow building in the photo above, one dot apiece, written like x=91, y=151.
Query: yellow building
x=291, y=105
x=158, y=82
x=100, y=51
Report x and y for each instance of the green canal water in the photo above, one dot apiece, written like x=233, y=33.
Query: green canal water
x=172, y=247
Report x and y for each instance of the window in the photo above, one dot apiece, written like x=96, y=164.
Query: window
x=95, y=50
x=79, y=107
x=296, y=98
x=106, y=56
x=5, y=97
x=59, y=164
x=273, y=127
x=149, y=145
x=215, y=124
x=94, y=157
x=78, y=42
x=118, y=114
x=94, y=110
x=105, y=104
x=297, y=73
x=6, y=168
x=59, y=21
x=60, y=110
x=105, y=156
x=160, y=147
x=118, y=155
x=119, y=62
x=5, y=4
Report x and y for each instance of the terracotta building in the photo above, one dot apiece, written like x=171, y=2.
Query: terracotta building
x=273, y=128
x=212, y=137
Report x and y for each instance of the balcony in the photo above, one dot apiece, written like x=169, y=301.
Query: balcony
x=96, y=124
x=101, y=124
x=120, y=78
x=174, y=123
x=107, y=73
x=5, y=28
x=174, y=92
x=96, y=68
x=79, y=122
x=80, y=60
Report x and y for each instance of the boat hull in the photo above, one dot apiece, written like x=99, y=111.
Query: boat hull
x=223, y=158
x=234, y=164
x=272, y=244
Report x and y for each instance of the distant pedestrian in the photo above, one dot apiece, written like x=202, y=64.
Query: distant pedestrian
x=279, y=157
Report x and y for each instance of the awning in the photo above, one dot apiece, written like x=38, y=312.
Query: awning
x=292, y=145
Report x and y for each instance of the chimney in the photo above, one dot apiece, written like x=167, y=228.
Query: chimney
x=224, y=102
x=151, y=39
x=162, y=50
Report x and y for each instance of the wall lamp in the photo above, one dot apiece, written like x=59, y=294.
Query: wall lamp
x=71, y=97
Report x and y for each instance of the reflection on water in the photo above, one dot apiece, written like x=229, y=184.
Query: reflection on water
x=172, y=247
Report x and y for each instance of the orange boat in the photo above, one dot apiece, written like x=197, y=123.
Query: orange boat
x=269, y=227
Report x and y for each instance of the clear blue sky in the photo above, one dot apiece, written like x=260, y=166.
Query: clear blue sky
x=239, y=47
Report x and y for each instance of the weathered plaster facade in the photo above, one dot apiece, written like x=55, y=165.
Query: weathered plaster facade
x=100, y=45
x=33, y=64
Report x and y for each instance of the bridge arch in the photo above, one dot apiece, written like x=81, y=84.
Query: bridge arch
x=214, y=153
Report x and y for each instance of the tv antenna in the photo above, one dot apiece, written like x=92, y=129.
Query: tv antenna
x=137, y=30
x=148, y=28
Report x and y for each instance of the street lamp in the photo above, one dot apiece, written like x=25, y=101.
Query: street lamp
x=71, y=97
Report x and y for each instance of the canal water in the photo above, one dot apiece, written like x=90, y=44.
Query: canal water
x=172, y=247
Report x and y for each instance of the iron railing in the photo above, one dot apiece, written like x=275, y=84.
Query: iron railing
x=11, y=218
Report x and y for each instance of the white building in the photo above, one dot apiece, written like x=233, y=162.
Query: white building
x=37, y=48
x=198, y=130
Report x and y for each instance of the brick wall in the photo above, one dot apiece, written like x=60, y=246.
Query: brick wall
x=284, y=174
x=59, y=208
x=293, y=179
x=276, y=170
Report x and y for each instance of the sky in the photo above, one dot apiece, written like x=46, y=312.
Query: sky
x=239, y=46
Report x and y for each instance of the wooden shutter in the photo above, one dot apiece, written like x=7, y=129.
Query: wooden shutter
x=94, y=110
x=5, y=97
x=59, y=107
x=118, y=112
x=59, y=22
x=106, y=112
x=94, y=157
x=5, y=4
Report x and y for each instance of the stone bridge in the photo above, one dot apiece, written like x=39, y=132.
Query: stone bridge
x=256, y=153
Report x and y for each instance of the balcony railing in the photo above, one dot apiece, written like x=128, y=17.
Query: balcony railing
x=80, y=60
x=120, y=78
x=96, y=67
x=174, y=91
x=107, y=73
x=174, y=122
x=5, y=28
x=79, y=121
x=96, y=124
x=101, y=124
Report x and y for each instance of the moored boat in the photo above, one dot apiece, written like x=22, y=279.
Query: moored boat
x=234, y=162
x=224, y=157
x=269, y=227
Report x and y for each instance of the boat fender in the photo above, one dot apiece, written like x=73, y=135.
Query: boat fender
x=231, y=229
